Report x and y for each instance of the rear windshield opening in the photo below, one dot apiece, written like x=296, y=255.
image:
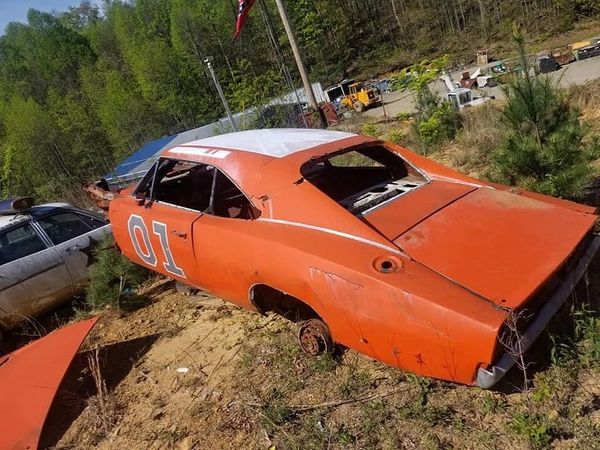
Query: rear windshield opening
x=362, y=178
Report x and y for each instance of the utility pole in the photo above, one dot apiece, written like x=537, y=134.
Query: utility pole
x=279, y=54
x=301, y=68
x=208, y=61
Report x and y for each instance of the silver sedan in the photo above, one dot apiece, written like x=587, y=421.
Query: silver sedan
x=44, y=257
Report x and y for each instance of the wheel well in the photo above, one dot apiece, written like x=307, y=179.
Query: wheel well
x=268, y=299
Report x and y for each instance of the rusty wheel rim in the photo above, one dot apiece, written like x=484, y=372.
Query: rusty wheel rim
x=314, y=337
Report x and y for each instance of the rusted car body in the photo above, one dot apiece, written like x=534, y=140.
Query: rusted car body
x=29, y=380
x=44, y=257
x=398, y=257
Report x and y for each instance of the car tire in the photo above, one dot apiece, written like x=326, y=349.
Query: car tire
x=358, y=107
x=315, y=338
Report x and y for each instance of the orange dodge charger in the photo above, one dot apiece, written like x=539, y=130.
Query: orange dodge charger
x=363, y=243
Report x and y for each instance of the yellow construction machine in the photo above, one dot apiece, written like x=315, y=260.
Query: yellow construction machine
x=352, y=95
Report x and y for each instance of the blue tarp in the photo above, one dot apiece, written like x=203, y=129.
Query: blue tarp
x=143, y=154
x=6, y=204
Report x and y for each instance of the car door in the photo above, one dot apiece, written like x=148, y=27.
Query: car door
x=226, y=243
x=33, y=275
x=74, y=235
x=172, y=196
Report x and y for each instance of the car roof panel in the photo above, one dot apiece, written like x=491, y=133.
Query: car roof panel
x=276, y=143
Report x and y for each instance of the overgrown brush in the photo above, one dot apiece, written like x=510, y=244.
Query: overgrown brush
x=436, y=120
x=113, y=279
x=586, y=96
x=482, y=129
x=547, y=148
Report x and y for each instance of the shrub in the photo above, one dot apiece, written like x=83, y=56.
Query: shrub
x=435, y=119
x=396, y=136
x=113, y=279
x=546, y=149
x=438, y=124
x=535, y=428
x=404, y=116
x=370, y=129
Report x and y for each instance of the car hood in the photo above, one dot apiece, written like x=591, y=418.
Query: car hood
x=29, y=380
x=500, y=245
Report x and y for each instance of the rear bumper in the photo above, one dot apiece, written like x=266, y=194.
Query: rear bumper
x=486, y=378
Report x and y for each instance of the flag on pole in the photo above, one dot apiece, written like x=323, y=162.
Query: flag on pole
x=245, y=6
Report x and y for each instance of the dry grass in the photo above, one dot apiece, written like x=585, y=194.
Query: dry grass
x=102, y=406
x=482, y=130
x=587, y=99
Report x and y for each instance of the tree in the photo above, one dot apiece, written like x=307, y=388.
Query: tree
x=82, y=89
x=435, y=119
x=548, y=148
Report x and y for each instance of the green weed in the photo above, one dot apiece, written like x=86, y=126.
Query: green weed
x=370, y=129
x=535, y=428
x=114, y=279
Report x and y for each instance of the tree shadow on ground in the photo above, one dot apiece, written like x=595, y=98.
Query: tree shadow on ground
x=116, y=361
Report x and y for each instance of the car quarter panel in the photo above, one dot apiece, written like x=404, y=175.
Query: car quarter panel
x=412, y=318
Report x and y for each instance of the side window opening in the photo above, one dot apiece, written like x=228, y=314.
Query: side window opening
x=18, y=243
x=199, y=187
x=362, y=178
x=91, y=221
x=184, y=184
x=63, y=226
x=229, y=201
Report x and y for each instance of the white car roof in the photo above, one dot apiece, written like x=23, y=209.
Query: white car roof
x=11, y=219
x=275, y=142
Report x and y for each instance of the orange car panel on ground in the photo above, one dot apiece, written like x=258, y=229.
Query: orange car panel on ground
x=424, y=280
x=29, y=380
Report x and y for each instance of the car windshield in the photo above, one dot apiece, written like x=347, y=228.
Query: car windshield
x=362, y=178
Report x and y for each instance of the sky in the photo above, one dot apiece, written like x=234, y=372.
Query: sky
x=16, y=10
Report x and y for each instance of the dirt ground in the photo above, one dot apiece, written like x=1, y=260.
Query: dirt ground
x=195, y=372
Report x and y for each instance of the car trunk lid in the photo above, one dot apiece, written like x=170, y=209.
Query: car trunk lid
x=500, y=245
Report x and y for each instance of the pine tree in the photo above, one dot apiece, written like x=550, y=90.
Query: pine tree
x=547, y=148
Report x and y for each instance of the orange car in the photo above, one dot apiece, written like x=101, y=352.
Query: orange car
x=363, y=243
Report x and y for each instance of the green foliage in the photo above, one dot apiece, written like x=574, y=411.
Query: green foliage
x=547, y=148
x=435, y=120
x=370, y=129
x=588, y=331
x=82, y=89
x=535, y=428
x=113, y=279
x=396, y=136
x=491, y=403
x=276, y=410
x=403, y=116
x=438, y=123
x=325, y=363
x=418, y=76
x=254, y=90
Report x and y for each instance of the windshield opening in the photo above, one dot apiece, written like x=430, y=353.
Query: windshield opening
x=361, y=178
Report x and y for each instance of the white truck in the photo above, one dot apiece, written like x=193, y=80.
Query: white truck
x=461, y=97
